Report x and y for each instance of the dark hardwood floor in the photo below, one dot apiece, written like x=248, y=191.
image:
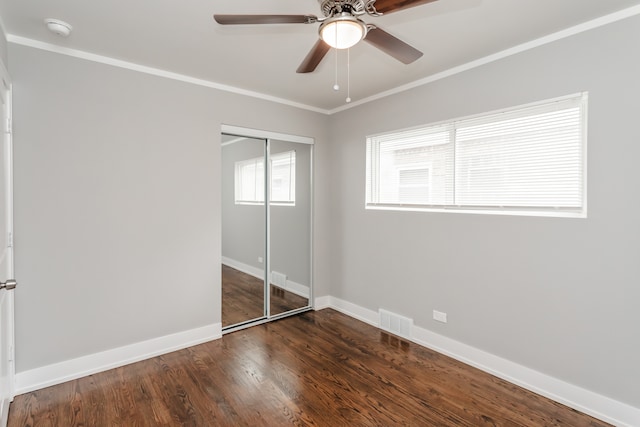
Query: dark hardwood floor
x=243, y=297
x=315, y=369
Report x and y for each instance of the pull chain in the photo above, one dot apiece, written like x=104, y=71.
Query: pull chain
x=336, y=86
x=348, y=76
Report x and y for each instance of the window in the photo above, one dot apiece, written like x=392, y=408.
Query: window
x=526, y=160
x=283, y=178
x=249, y=180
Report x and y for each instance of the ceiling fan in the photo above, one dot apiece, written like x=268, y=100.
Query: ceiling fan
x=341, y=28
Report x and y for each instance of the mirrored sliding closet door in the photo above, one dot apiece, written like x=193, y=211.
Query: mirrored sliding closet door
x=244, y=220
x=290, y=226
x=266, y=227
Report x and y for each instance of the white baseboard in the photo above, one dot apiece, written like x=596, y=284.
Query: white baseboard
x=363, y=314
x=4, y=411
x=290, y=285
x=297, y=288
x=67, y=370
x=586, y=401
x=323, y=302
x=245, y=268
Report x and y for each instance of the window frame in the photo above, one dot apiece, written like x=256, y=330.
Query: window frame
x=259, y=163
x=373, y=160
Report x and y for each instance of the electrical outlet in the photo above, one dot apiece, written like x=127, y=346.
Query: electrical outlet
x=260, y=259
x=439, y=316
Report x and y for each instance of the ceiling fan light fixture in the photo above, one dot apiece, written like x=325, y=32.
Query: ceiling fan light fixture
x=343, y=32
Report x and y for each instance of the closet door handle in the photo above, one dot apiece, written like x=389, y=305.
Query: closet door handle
x=9, y=284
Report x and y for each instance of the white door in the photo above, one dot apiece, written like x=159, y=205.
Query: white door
x=6, y=252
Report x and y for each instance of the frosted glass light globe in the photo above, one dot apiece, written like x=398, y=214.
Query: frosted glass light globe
x=342, y=32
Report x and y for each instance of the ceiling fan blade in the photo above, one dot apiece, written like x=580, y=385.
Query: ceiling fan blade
x=313, y=58
x=388, y=6
x=392, y=45
x=264, y=19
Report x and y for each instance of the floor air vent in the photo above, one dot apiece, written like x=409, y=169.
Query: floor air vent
x=396, y=324
x=279, y=279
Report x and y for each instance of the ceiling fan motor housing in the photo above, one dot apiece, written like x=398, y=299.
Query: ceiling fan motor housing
x=336, y=7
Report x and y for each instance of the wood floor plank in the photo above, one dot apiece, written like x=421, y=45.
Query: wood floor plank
x=315, y=369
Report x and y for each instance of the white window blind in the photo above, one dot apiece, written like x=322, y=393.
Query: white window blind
x=283, y=178
x=528, y=159
x=249, y=180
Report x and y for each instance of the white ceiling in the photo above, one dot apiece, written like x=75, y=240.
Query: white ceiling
x=181, y=37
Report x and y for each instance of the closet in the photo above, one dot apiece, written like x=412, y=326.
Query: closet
x=267, y=202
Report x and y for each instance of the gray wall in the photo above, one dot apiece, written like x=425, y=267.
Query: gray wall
x=557, y=295
x=3, y=46
x=243, y=226
x=117, y=202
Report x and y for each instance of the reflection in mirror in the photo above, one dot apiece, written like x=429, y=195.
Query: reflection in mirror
x=243, y=230
x=290, y=226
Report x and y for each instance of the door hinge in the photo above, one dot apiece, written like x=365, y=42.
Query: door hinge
x=9, y=125
x=9, y=239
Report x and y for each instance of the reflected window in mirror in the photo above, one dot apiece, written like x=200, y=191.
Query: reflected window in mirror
x=249, y=180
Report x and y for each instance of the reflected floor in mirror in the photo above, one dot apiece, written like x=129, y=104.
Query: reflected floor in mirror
x=243, y=298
